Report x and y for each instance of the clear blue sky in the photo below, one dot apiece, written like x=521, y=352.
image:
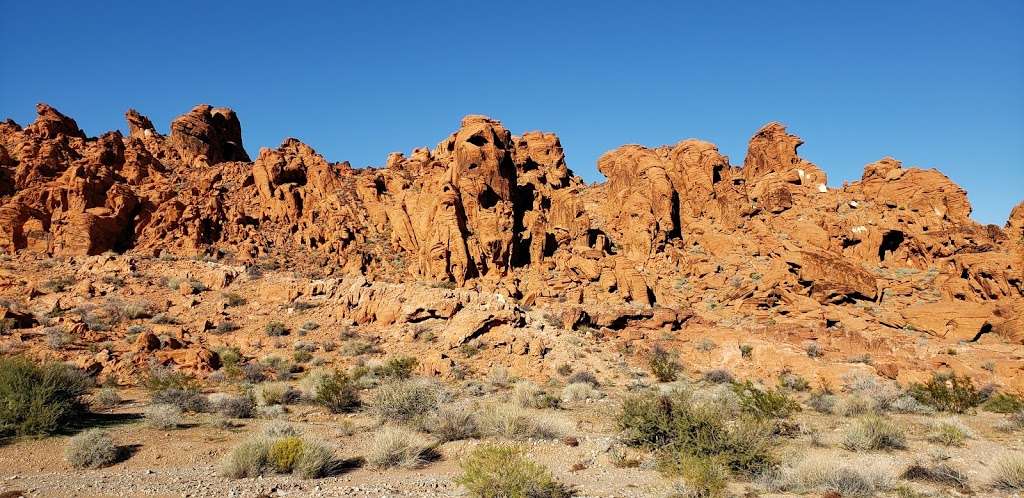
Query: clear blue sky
x=935, y=84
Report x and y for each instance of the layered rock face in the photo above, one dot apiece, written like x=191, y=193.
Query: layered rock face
x=674, y=228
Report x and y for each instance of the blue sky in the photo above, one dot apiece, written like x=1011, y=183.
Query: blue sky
x=934, y=84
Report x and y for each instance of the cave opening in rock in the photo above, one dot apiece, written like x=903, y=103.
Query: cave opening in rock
x=488, y=198
x=477, y=140
x=890, y=242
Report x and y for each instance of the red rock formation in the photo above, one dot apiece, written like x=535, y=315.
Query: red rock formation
x=673, y=227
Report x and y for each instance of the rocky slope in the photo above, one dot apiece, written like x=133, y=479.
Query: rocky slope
x=496, y=224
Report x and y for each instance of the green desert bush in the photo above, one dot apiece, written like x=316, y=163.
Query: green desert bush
x=275, y=329
x=337, y=392
x=874, y=432
x=764, y=403
x=1004, y=403
x=38, y=398
x=949, y=432
x=395, y=447
x=947, y=392
x=529, y=395
x=91, y=449
x=664, y=365
x=492, y=471
x=675, y=426
x=703, y=477
x=261, y=455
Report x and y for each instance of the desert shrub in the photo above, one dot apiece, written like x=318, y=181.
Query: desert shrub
x=622, y=458
x=529, y=395
x=1003, y=403
x=393, y=447
x=813, y=350
x=829, y=475
x=91, y=449
x=583, y=376
x=664, y=365
x=793, y=381
x=453, y=422
x=275, y=393
x=675, y=426
x=271, y=412
x=275, y=329
x=307, y=326
x=704, y=477
x=705, y=345
x=1008, y=473
x=338, y=393
x=718, y=376
x=514, y=422
x=284, y=452
x=234, y=406
x=38, y=398
x=225, y=327
x=940, y=473
x=161, y=377
x=499, y=376
x=137, y=311
x=399, y=367
x=56, y=338
x=764, y=403
x=163, y=416
x=105, y=398
x=186, y=399
x=873, y=432
x=909, y=404
x=250, y=458
x=822, y=402
x=405, y=400
x=233, y=299
x=302, y=356
x=164, y=319
x=59, y=284
x=314, y=460
x=277, y=429
x=947, y=392
x=504, y=471
x=949, y=433
x=579, y=391
x=855, y=405
x=746, y=351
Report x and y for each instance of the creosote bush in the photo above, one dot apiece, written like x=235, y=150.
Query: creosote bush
x=91, y=449
x=764, y=403
x=1004, y=403
x=676, y=427
x=664, y=365
x=505, y=471
x=275, y=393
x=704, y=477
x=38, y=398
x=947, y=392
x=338, y=393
